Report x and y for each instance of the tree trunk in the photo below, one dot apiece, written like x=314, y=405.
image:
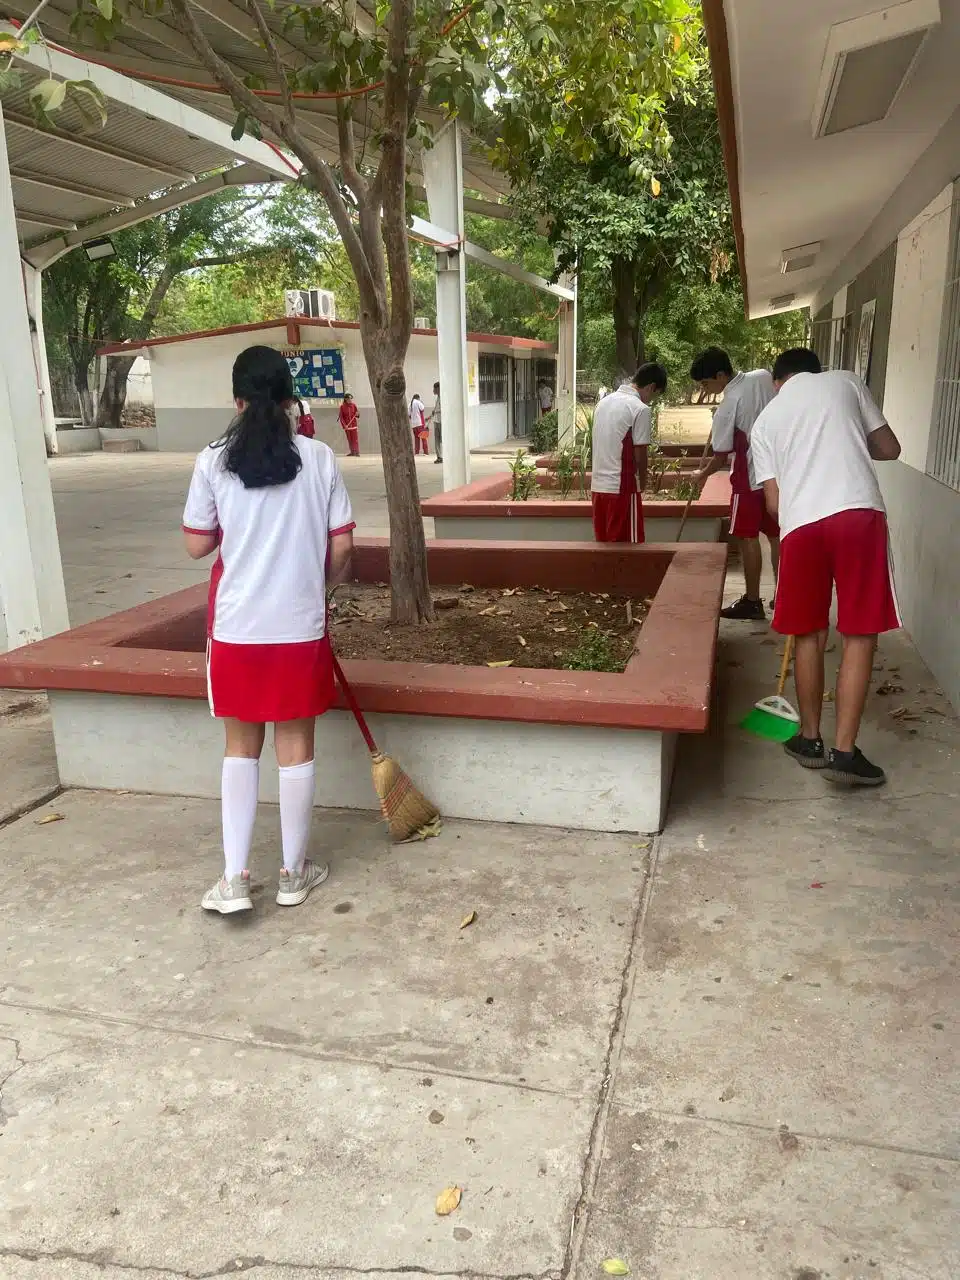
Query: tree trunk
x=411, y=602
x=623, y=275
x=113, y=394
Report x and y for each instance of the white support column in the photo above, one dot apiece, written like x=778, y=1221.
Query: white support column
x=33, y=288
x=33, y=602
x=443, y=178
x=567, y=365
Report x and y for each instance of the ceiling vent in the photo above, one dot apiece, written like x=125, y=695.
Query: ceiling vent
x=868, y=61
x=805, y=255
x=784, y=301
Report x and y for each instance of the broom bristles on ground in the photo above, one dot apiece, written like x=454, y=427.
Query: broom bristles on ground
x=406, y=811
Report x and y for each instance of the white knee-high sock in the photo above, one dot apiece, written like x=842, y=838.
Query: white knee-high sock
x=297, y=787
x=238, y=801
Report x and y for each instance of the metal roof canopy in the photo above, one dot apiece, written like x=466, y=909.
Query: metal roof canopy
x=151, y=46
x=82, y=183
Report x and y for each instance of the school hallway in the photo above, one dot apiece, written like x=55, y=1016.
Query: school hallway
x=729, y=1053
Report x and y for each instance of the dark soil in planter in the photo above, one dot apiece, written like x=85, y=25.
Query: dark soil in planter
x=554, y=495
x=522, y=627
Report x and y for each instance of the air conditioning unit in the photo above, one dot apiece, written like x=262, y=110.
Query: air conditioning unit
x=422, y=322
x=313, y=304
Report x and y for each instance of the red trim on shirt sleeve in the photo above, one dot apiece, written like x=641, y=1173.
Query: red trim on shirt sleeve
x=201, y=533
x=346, y=528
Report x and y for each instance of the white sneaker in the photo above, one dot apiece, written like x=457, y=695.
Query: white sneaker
x=228, y=896
x=294, y=886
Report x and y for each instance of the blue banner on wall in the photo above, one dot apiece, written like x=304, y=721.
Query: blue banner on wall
x=317, y=373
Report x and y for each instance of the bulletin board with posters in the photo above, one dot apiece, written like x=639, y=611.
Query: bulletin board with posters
x=317, y=372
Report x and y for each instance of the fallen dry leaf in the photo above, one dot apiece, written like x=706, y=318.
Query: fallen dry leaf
x=448, y=1200
x=615, y=1267
x=468, y=920
x=522, y=641
x=50, y=817
x=888, y=687
x=508, y=662
x=486, y=612
x=509, y=591
x=559, y=629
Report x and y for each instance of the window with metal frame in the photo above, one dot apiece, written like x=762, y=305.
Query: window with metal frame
x=827, y=340
x=493, y=379
x=943, y=458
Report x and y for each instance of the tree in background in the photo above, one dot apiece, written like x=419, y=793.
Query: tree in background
x=632, y=237
x=121, y=299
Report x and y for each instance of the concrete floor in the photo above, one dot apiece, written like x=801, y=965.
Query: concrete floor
x=727, y=1054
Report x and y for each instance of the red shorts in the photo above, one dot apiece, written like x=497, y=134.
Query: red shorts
x=749, y=516
x=850, y=550
x=617, y=517
x=266, y=683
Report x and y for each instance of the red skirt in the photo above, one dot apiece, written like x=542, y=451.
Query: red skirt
x=266, y=683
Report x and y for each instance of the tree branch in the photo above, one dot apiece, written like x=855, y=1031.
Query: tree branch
x=286, y=130
x=391, y=181
x=270, y=45
x=345, y=132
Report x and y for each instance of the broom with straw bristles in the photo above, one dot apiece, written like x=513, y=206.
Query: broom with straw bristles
x=409, y=815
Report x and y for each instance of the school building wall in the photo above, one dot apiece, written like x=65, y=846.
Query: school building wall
x=914, y=349
x=193, y=403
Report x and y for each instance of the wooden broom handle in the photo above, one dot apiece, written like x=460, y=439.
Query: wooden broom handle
x=352, y=704
x=686, y=509
x=785, y=665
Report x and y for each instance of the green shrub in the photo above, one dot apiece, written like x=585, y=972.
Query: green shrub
x=545, y=433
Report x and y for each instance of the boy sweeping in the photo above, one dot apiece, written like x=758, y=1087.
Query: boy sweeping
x=745, y=395
x=813, y=450
x=621, y=438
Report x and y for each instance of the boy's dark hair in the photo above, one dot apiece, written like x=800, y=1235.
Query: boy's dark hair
x=651, y=374
x=710, y=364
x=796, y=360
x=258, y=445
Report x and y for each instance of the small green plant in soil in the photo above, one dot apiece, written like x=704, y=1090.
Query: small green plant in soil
x=566, y=472
x=685, y=489
x=594, y=652
x=524, y=474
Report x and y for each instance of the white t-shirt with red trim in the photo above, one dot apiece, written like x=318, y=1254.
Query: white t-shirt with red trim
x=812, y=439
x=744, y=399
x=269, y=583
x=620, y=421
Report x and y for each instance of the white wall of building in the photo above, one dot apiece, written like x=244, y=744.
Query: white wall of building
x=193, y=402
x=923, y=251
x=923, y=513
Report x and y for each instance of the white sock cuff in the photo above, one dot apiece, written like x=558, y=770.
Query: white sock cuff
x=240, y=764
x=294, y=771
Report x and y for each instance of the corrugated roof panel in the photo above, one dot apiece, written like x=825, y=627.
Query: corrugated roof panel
x=63, y=204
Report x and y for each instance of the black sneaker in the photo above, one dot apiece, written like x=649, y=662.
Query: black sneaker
x=745, y=610
x=853, y=769
x=808, y=752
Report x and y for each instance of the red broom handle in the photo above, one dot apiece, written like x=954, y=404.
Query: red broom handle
x=354, y=707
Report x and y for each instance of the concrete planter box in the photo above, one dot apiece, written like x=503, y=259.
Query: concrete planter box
x=485, y=510
x=587, y=750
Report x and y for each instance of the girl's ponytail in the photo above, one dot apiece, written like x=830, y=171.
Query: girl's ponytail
x=258, y=446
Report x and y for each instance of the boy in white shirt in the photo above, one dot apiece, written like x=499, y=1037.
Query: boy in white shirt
x=813, y=450
x=622, y=424
x=745, y=396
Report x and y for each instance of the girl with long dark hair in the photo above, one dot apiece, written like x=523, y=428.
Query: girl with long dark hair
x=276, y=506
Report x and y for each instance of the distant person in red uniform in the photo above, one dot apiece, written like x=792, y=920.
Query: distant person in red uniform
x=418, y=424
x=814, y=449
x=745, y=396
x=621, y=437
x=349, y=418
x=275, y=505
